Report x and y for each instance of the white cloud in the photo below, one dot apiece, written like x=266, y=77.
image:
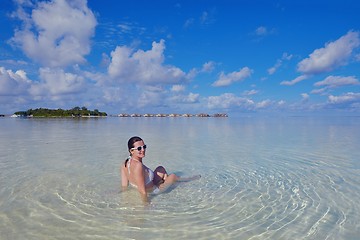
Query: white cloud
x=263, y=104
x=113, y=94
x=333, y=55
x=261, y=31
x=190, y=98
x=318, y=91
x=125, y=27
x=150, y=97
x=57, y=82
x=305, y=97
x=57, y=33
x=227, y=79
x=281, y=103
x=332, y=82
x=13, y=83
x=357, y=57
x=207, y=17
x=208, y=66
x=273, y=69
x=229, y=100
x=337, y=81
x=296, y=80
x=143, y=66
x=204, y=17
x=250, y=92
x=178, y=88
x=189, y=22
x=278, y=63
x=346, y=98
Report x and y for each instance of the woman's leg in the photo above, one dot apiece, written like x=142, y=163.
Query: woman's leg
x=162, y=179
x=160, y=175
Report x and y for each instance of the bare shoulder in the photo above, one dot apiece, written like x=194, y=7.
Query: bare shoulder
x=137, y=166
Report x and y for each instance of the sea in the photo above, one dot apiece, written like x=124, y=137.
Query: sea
x=293, y=177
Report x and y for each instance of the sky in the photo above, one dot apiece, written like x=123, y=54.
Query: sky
x=165, y=56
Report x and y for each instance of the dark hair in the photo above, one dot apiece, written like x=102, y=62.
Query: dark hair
x=132, y=141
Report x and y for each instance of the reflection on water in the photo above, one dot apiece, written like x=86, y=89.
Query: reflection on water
x=283, y=178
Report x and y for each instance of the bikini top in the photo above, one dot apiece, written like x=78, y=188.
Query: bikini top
x=149, y=174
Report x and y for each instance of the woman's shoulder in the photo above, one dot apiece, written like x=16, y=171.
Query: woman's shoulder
x=137, y=165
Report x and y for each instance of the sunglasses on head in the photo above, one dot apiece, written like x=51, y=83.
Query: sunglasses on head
x=139, y=148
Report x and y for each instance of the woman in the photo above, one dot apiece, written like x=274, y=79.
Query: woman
x=133, y=171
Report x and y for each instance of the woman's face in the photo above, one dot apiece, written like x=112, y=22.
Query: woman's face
x=135, y=150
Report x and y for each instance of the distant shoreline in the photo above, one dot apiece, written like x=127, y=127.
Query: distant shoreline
x=78, y=112
x=171, y=115
x=202, y=115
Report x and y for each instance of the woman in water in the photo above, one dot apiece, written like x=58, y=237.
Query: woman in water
x=133, y=171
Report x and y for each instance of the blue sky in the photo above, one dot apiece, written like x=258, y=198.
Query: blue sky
x=165, y=56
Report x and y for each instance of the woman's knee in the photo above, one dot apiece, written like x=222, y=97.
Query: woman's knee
x=160, y=169
x=172, y=178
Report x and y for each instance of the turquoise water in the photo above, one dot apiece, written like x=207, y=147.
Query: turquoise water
x=262, y=178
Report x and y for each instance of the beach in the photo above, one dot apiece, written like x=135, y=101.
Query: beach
x=262, y=178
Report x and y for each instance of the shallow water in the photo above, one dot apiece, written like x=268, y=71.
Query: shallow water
x=262, y=178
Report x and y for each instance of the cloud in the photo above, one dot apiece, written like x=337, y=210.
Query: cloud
x=13, y=83
x=57, y=82
x=151, y=96
x=281, y=103
x=347, y=98
x=263, y=104
x=143, y=66
x=305, y=97
x=333, y=55
x=262, y=31
x=228, y=100
x=56, y=33
x=208, y=17
x=189, y=22
x=326, y=59
x=278, y=63
x=178, y=88
x=332, y=82
x=337, y=81
x=228, y=79
x=186, y=99
x=208, y=66
x=231, y=101
x=296, y=80
x=250, y=92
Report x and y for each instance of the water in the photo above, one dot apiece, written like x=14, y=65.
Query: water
x=262, y=178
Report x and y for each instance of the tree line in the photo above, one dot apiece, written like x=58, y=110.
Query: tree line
x=74, y=112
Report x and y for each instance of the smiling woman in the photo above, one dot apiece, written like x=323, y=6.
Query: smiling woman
x=133, y=171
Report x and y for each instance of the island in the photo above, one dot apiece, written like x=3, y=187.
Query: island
x=74, y=112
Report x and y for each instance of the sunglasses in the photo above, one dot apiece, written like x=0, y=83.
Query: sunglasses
x=139, y=148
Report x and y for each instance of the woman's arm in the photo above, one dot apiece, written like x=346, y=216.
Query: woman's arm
x=140, y=180
x=124, y=178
